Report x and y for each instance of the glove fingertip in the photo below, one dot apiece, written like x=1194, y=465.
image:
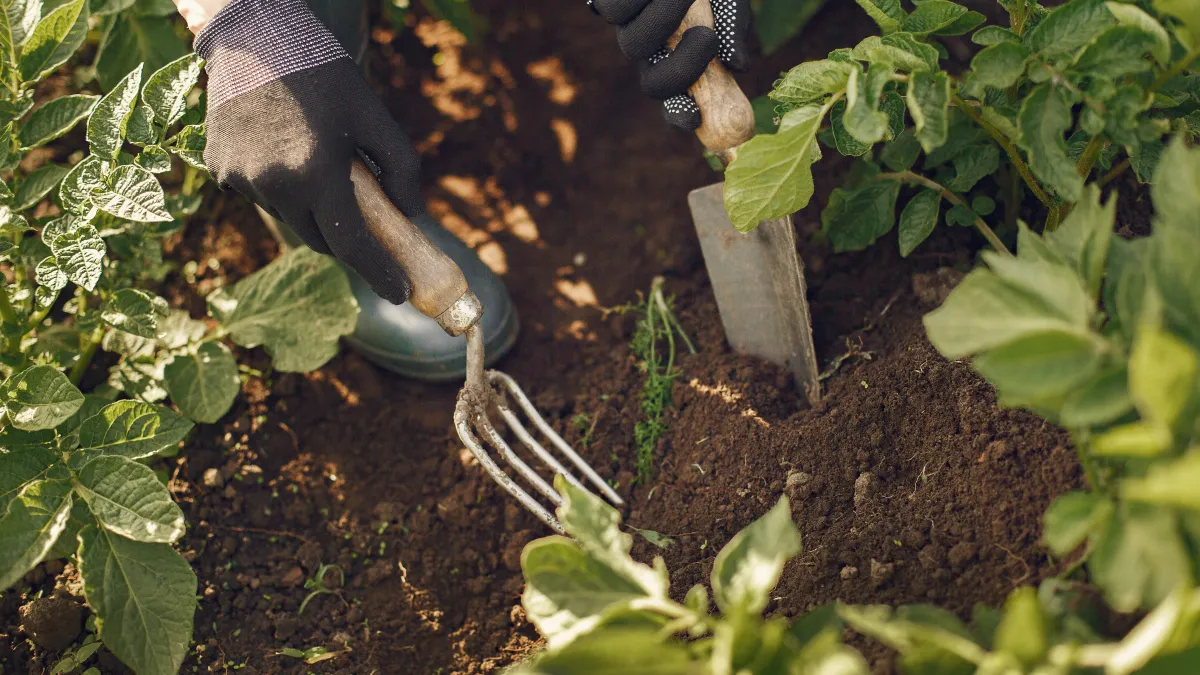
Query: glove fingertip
x=682, y=112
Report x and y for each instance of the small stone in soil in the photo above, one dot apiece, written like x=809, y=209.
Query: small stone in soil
x=294, y=577
x=881, y=572
x=849, y=573
x=863, y=487
x=797, y=484
x=53, y=622
x=213, y=478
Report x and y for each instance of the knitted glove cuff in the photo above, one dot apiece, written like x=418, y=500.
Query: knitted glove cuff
x=252, y=42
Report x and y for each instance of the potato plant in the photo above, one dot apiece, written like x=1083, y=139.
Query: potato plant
x=1101, y=335
x=603, y=612
x=81, y=252
x=1053, y=99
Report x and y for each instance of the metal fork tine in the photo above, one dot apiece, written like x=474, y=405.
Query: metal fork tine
x=550, y=433
x=530, y=442
x=506, y=454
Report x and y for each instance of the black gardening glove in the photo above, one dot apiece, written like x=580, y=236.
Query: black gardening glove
x=288, y=112
x=643, y=27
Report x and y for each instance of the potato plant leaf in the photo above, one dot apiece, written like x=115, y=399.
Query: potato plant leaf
x=929, y=104
x=35, y=520
x=918, y=219
x=80, y=254
x=189, y=145
x=1045, y=116
x=1072, y=518
x=140, y=130
x=127, y=499
x=81, y=181
x=203, y=383
x=932, y=16
x=843, y=140
x=812, y=81
x=624, y=651
x=134, y=311
x=39, y=398
x=863, y=120
x=1131, y=15
x=132, y=429
x=107, y=125
x=55, y=119
x=777, y=21
x=1175, y=190
x=19, y=19
x=54, y=40
x=39, y=183
x=1069, y=27
x=772, y=175
x=999, y=65
x=298, y=307
x=1119, y=51
x=749, y=566
x=1138, y=558
x=167, y=89
x=154, y=159
x=133, y=38
x=133, y=193
x=856, y=219
x=145, y=592
x=887, y=13
x=49, y=275
x=22, y=468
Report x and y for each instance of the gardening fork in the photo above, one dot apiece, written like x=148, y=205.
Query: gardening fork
x=439, y=291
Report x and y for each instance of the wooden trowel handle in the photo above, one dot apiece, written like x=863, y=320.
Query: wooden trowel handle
x=727, y=118
x=439, y=289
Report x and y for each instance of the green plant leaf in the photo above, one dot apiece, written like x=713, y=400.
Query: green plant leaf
x=778, y=21
x=1072, y=518
x=1045, y=116
x=77, y=186
x=1171, y=483
x=1024, y=631
x=133, y=193
x=132, y=429
x=887, y=13
x=37, y=185
x=140, y=130
x=50, y=275
x=106, y=7
x=1188, y=13
x=749, y=566
x=54, y=40
x=298, y=307
x=1069, y=27
x=614, y=652
x=55, y=119
x=154, y=159
x=19, y=19
x=131, y=39
x=146, y=594
x=1176, y=242
x=918, y=219
x=39, y=398
x=189, y=145
x=569, y=593
x=1085, y=236
x=134, y=311
x=167, y=89
x=1103, y=399
x=930, y=640
x=902, y=152
x=973, y=165
x=107, y=125
x=129, y=500
x=772, y=175
x=203, y=383
x=80, y=254
x=941, y=17
x=1041, y=366
x=999, y=65
x=35, y=520
x=994, y=35
x=928, y=102
x=1163, y=374
x=1139, y=558
x=1119, y=51
x=855, y=219
x=899, y=50
x=846, y=144
x=19, y=468
x=178, y=330
x=863, y=119
x=812, y=81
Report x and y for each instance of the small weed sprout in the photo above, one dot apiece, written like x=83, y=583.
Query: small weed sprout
x=318, y=587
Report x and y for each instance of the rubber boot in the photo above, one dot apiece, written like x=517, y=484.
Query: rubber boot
x=398, y=337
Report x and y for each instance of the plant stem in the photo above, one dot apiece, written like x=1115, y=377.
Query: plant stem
x=1115, y=172
x=6, y=309
x=87, y=351
x=190, y=174
x=1014, y=155
x=1176, y=69
x=1053, y=218
x=1088, y=159
x=984, y=229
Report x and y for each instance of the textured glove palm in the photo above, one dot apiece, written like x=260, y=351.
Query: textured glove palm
x=643, y=27
x=289, y=112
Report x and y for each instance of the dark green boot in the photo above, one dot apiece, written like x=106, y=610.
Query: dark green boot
x=398, y=337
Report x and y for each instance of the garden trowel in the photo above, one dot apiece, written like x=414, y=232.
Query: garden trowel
x=757, y=276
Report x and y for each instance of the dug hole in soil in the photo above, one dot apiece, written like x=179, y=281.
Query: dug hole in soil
x=909, y=483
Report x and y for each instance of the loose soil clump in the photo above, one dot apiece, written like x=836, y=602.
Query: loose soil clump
x=909, y=483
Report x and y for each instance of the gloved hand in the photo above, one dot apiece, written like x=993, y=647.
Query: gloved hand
x=288, y=112
x=643, y=27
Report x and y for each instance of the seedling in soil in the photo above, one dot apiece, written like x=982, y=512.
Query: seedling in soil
x=653, y=344
x=318, y=586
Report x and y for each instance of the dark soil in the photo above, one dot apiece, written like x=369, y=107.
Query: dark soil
x=909, y=483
